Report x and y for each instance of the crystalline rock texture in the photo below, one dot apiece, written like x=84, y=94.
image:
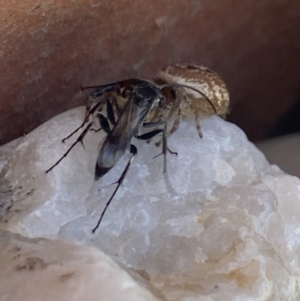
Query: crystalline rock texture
x=222, y=224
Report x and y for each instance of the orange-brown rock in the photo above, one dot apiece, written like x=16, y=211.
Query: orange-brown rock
x=49, y=48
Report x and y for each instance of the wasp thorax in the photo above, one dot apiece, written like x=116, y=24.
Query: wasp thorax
x=202, y=79
x=146, y=94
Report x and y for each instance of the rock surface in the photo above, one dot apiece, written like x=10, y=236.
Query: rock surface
x=284, y=152
x=49, y=48
x=223, y=224
x=41, y=269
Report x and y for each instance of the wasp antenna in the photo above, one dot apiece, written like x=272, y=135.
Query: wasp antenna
x=191, y=88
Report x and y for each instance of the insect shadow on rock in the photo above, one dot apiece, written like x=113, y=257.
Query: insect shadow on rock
x=128, y=104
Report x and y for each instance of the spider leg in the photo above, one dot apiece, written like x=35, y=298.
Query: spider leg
x=133, y=151
x=176, y=123
x=197, y=120
x=198, y=126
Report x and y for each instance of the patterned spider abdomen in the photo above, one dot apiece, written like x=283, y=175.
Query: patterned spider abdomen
x=204, y=80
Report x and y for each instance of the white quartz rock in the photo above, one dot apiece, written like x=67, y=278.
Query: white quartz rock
x=48, y=270
x=284, y=152
x=223, y=224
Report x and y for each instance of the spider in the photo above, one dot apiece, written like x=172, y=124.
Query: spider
x=181, y=102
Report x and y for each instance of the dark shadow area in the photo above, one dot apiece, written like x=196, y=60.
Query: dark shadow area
x=288, y=123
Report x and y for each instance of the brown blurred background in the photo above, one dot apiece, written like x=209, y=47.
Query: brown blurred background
x=49, y=48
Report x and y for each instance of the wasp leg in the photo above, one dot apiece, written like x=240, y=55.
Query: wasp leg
x=149, y=135
x=152, y=124
x=96, y=130
x=148, y=138
x=116, y=105
x=79, y=139
x=110, y=101
x=133, y=151
x=169, y=150
x=172, y=130
x=104, y=123
x=155, y=132
x=98, y=92
x=164, y=149
x=110, y=111
x=91, y=112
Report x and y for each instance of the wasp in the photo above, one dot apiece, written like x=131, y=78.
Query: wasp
x=129, y=104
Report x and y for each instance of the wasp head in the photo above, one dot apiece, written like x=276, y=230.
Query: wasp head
x=147, y=94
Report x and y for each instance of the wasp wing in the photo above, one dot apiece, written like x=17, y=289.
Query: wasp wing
x=118, y=140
